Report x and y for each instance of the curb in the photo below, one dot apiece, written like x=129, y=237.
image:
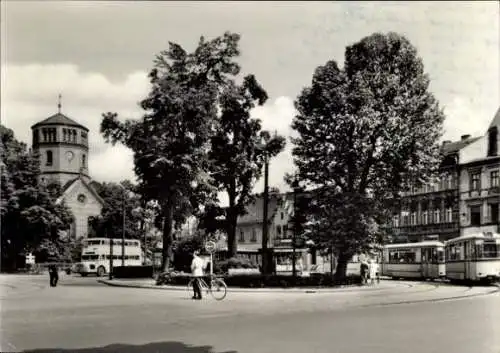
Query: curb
x=435, y=300
x=258, y=290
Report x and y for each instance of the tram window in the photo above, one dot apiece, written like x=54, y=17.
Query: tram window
x=489, y=250
x=455, y=252
x=434, y=257
x=409, y=257
x=393, y=256
x=479, y=251
x=440, y=256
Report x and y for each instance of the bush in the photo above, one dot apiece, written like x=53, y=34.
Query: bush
x=133, y=271
x=173, y=278
x=233, y=262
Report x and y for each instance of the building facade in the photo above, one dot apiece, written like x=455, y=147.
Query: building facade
x=432, y=211
x=280, y=234
x=480, y=186
x=63, y=148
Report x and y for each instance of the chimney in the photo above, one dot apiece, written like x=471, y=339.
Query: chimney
x=464, y=137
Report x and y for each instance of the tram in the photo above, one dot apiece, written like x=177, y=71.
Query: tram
x=473, y=257
x=414, y=260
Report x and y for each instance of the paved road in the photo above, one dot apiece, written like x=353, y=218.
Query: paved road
x=81, y=314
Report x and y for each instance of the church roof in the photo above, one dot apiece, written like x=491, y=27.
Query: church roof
x=59, y=119
x=89, y=186
x=496, y=120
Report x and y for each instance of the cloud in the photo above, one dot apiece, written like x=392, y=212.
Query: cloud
x=466, y=117
x=29, y=95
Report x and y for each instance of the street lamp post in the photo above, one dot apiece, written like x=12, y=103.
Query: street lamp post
x=265, y=215
x=110, y=256
x=123, y=229
x=294, y=234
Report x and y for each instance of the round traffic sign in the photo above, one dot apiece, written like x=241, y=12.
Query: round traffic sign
x=210, y=246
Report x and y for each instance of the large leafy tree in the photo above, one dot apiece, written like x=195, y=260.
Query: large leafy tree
x=31, y=215
x=365, y=132
x=171, y=141
x=238, y=150
x=119, y=198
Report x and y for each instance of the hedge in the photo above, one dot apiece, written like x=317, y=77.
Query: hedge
x=261, y=281
x=133, y=271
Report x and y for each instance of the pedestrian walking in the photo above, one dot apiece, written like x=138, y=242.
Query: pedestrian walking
x=197, y=272
x=364, y=272
x=54, y=275
x=373, y=270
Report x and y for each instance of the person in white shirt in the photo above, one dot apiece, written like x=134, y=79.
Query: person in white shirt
x=197, y=272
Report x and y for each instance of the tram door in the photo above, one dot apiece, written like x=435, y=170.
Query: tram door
x=467, y=246
x=426, y=262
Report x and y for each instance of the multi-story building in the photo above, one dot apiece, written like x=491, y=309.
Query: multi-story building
x=432, y=211
x=480, y=183
x=249, y=232
x=63, y=149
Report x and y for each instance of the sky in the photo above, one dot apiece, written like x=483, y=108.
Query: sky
x=97, y=55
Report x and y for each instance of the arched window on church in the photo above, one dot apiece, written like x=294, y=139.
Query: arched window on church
x=49, y=158
x=84, y=161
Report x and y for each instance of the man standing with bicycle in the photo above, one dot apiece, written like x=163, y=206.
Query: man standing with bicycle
x=197, y=272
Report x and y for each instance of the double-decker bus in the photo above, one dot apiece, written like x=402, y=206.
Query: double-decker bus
x=96, y=255
x=414, y=260
x=473, y=257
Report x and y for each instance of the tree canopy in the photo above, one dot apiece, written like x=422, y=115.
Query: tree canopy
x=110, y=221
x=170, y=142
x=238, y=150
x=31, y=215
x=365, y=132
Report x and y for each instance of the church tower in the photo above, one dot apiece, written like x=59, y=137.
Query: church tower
x=63, y=147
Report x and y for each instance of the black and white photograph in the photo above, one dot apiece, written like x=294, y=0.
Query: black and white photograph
x=250, y=176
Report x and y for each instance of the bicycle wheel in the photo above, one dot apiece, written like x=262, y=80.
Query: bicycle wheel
x=218, y=289
x=190, y=289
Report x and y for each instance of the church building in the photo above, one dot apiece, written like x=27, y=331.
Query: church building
x=63, y=147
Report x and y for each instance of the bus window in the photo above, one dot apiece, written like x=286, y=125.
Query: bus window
x=89, y=257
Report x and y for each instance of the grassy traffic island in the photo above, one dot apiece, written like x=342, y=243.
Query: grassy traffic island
x=258, y=280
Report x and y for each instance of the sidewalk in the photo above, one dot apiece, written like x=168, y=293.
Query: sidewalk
x=150, y=284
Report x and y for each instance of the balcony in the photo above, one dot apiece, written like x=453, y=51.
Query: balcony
x=430, y=228
x=494, y=190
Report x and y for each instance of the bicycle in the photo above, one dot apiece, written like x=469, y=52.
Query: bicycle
x=217, y=287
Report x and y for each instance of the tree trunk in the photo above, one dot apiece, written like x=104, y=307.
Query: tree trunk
x=341, y=269
x=231, y=221
x=232, y=245
x=167, y=237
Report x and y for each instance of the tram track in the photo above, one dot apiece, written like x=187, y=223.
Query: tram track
x=431, y=300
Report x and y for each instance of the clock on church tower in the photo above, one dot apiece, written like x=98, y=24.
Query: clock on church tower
x=63, y=146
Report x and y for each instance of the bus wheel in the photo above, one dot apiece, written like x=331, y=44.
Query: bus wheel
x=101, y=271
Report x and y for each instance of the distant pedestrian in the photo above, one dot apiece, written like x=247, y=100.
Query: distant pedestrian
x=197, y=272
x=364, y=272
x=54, y=275
x=373, y=270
